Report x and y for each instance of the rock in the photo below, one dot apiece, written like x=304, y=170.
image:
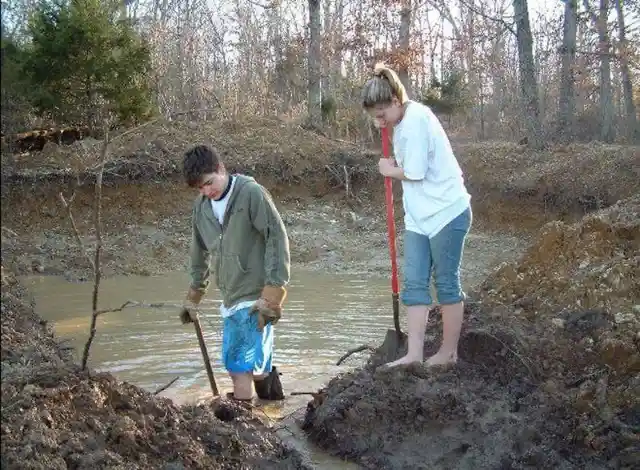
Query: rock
x=621, y=318
x=558, y=322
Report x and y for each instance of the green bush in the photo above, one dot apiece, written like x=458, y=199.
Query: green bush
x=84, y=61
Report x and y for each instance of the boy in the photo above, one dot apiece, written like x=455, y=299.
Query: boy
x=235, y=220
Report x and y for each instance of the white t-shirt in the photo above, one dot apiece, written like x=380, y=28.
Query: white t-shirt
x=422, y=149
x=219, y=209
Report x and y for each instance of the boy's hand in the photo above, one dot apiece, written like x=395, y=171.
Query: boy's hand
x=194, y=296
x=189, y=306
x=187, y=315
x=265, y=313
x=269, y=306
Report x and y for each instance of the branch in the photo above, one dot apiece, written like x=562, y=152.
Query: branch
x=97, y=273
x=10, y=232
x=67, y=205
x=166, y=386
x=364, y=347
x=134, y=304
x=501, y=21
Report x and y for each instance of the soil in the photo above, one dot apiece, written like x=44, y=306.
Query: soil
x=548, y=373
x=55, y=416
x=542, y=380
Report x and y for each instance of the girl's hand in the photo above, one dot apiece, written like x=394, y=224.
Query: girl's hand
x=387, y=166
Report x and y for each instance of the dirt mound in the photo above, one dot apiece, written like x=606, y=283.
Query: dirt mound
x=490, y=411
x=564, y=180
x=577, y=291
x=265, y=147
x=549, y=367
x=592, y=264
x=55, y=416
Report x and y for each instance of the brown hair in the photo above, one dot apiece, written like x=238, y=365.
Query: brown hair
x=383, y=87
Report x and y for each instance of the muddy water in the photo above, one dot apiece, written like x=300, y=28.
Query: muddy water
x=325, y=316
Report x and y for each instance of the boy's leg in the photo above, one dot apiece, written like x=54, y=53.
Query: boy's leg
x=415, y=294
x=246, y=351
x=447, y=249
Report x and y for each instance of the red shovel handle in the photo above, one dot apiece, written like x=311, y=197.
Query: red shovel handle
x=391, y=232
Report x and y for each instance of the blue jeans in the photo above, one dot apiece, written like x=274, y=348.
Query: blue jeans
x=442, y=254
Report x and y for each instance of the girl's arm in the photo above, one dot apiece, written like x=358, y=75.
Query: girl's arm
x=416, y=154
x=416, y=158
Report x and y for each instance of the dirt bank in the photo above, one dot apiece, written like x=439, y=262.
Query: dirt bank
x=146, y=206
x=543, y=381
x=514, y=401
x=516, y=186
x=55, y=416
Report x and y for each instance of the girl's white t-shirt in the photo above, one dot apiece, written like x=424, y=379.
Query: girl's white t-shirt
x=435, y=193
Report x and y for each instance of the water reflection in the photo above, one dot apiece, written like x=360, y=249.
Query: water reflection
x=325, y=316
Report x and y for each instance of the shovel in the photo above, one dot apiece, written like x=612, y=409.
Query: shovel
x=187, y=317
x=391, y=232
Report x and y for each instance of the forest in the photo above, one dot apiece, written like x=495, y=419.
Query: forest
x=539, y=72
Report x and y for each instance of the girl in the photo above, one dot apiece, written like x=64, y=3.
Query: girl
x=436, y=207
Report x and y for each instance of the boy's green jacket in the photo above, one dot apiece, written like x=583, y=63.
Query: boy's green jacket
x=250, y=249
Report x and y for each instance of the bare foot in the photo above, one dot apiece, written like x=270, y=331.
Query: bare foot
x=442, y=359
x=403, y=361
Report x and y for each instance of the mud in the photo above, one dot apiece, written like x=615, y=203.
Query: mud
x=55, y=416
x=548, y=372
x=492, y=410
x=543, y=381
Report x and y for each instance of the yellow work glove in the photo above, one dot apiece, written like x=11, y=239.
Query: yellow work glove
x=269, y=306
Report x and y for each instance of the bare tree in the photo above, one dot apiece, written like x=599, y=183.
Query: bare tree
x=404, y=38
x=607, y=130
x=632, y=130
x=528, y=81
x=566, y=112
x=314, y=65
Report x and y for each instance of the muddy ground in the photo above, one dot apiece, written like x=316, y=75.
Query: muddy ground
x=502, y=407
x=55, y=416
x=549, y=368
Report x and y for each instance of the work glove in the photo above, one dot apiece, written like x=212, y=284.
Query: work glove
x=268, y=307
x=190, y=305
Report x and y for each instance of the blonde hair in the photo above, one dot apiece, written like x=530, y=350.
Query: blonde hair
x=383, y=87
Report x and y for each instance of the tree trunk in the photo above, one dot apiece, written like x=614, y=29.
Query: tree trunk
x=608, y=132
x=528, y=81
x=404, y=37
x=327, y=47
x=567, y=104
x=632, y=129
x=314, y=95
x=337, y=29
